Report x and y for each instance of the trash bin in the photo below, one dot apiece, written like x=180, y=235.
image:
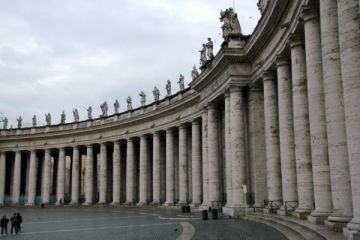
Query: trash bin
x=214, y=213
x=204, y=215
x=187, y=208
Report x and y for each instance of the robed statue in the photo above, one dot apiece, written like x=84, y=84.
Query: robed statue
x=89, y=111
x=34, y=121
x=194, y=73
x=231, y=25
x=142, y=98
x=104, y=109
x=116, y=106
x=129, y=103
x=168, y=88
x=19, y=120
x=156, y=94
x=181, y=83
x=62, y=117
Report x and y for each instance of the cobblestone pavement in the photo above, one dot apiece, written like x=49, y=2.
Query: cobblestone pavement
x=67, y=223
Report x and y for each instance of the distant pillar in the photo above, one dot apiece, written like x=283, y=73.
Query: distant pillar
x=183, y=166
x=205, y=162
x=32, y=179
x=170, y=168
x=47, y=176
x=2, y=176
x=89, y=175
x=61, y=177
x=196, y=163
x=103, y=174
x=116, y=174
x=144, y=171
x=75, y=184
x=156, y=169
x=130, y=172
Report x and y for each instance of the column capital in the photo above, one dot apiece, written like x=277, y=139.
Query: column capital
x=236, y=88
x=211, y=106
x=309, y=13
x=268, y=75
x=195, y=122
x=296, y=40
x=170, y=130
x=227, y=93
x=282, y=60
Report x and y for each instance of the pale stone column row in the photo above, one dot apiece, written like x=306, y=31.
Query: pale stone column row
x=229, y=196
x=205, y=162
x=196, y=163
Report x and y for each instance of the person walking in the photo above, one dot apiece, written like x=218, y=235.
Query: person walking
x=14, y=225
x=4, y=223
x=19, y=222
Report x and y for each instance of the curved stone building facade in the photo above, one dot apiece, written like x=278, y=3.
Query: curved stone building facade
x=277, y=112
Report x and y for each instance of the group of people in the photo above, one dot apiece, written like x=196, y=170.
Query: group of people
x=16, y=222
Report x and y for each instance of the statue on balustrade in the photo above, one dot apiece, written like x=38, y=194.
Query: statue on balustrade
x=34, y=121
x=62, y=117
x=89, y=111
x=143, y=98
x=194, y=73
x=76, y=115
x=5, y=125
x=156, y=94
x=210, y=49
x=48, y=119
x=104, y=109
x=181, y=83
x=129, y=103
x=203, y=58
x=116, y=106
x=168, y=88
x=231, y=25
x=19, y=120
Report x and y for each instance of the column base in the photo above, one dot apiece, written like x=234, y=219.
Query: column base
x=235, y=212
x=301, y=213
x=129, y=203
x=101, y=203
x=87, y=204
x=169, y=204
x=30, y=204
x=155, y=204
x=317, y=217
x=351, y=234
x=140, y=204
x=204, y=206
x=74, y=203
x=354, y=224
x=181, y=203
x=195, y=205
x=336, y=223
x=115, y=203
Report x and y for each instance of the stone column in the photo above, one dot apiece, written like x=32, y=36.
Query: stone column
x=213, y=156
x=103, y=174
x=319, y=144
x=32, y=179
x=75, y=176
x=47, y=176
x=183, y=166
x=228, y=164
x=196, y=163
x=287, y=146
x=89, y=175
x=2, y=177
x=61, y=177
x=272, y=141
x=301, y=128
x=205, y=173
x=238, y=154
x=156, y=169
x=348, y=15
x=335, y=115
x=130, y=172
x=116, y=174
x=170, y=168
x=144, y=171
x=16, y=179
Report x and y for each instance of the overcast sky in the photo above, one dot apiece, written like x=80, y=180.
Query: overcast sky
x=59, y=55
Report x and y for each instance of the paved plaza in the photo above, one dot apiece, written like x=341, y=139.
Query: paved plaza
x=131, y=223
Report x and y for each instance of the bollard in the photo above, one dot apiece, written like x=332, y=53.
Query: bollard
x=214, y=213
x=204, y=215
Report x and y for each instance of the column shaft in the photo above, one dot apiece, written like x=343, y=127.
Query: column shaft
x=2, y=176
x=130, y=172
x=196, y=164
x=156, y=169
x=17, y=178
x=272, y=138
x=183, y=166
x=103, y=174
x=170, y=168
x=205, y=171
x=213, y=156
x=144, y=171
x=61, y=177
x=116, y=174
x=228, y=164
x=32, y=179
x=47, y=176
x=89, y=175
x=301, y=128
x=75, y=184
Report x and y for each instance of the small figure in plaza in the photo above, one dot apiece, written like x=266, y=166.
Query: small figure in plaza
x=129, y=103
x=156, y=94
x=168, y=88
x=76, y=115
x=48, y=119
x=14, y=224
x=89, y=111
x=62, y=117
x=194, y=73
x=116, y=106
x=142, y=98
x=5, y=125
x=19, y=222
x=203, y=58
x=210, y=49
x=104, y=109
x=181, y=83
x=34, y=121
x=19, y=120
x=4, y=224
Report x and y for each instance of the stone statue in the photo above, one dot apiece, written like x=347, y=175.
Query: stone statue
x=181, y=83
x=5, y=125
x=194, y=73
x=156, y=94
x=104, y=109
x=168, y=88
x=210, y=49
x=62, y=117
x=89, y=111
x=19, y=120
x=116, y=106
x=231, y=23
x=143, y=98
x=48, y=119
x=76, y=115
x=34, y=121
x=129, y=103
x=262, y=5
x=203, y=58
